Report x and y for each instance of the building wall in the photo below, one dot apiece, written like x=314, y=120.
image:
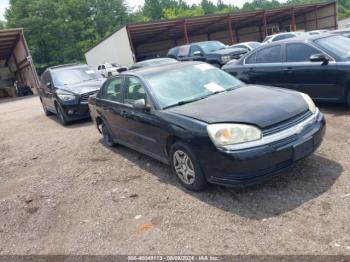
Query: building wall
x=114, y=49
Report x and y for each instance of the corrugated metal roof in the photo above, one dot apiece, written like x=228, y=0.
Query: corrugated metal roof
x=8, y=41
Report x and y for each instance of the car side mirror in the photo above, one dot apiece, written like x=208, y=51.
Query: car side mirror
x=319, y=58
x=141, y=105
x=197, y=53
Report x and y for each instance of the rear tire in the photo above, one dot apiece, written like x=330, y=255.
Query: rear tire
x=107, y=138
x=61, y=117
x=186, y=167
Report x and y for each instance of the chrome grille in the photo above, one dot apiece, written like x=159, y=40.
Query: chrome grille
x=84, y=97
x=287, y=123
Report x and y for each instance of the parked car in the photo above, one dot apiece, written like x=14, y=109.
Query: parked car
x=247, y=45
x=153, y=62
x=212, y=52
x=343, y=32
x=206, y=124
x=317, y=65
x=281, y=36
x=65, y=90
x=316, y=32
x=110, y=69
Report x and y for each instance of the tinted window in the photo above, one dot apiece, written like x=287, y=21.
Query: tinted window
x=281, y=37
x=269, y=55
x=300, y=52
x=212, y=46
x=134, y=90
x=45, y=78
x=173, y=52
x=195, y=49
x=111, y=90
x=183, y=51
x=251, y=59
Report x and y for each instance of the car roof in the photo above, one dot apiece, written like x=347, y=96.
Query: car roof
x=60, y=67
x=144, y=71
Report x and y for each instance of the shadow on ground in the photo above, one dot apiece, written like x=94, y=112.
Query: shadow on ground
x=74, y=124
x=306, y=181
x=334, y=109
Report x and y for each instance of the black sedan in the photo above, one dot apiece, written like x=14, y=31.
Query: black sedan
x=206, y=124
x=65, y=90
x=317, y=65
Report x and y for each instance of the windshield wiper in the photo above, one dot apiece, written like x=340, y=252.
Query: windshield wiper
x=180, y=103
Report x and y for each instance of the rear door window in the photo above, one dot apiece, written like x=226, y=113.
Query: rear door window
x=270, y=54
x=193, y=49
x=300, y=52
x=184, y=51
x=112, y=90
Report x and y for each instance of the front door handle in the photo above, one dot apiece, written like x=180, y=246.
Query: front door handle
x=124, y=113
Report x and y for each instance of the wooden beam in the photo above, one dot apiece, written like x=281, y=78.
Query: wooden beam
x=185, y=31
x=265, y=24
x=316, y=16
x=229, y=25
x=294, y=27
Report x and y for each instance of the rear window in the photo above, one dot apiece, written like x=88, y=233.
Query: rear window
x=281, y=37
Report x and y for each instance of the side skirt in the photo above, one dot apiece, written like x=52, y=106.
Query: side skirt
x=164, y=160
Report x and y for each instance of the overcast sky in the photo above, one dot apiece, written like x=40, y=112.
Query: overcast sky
x=132, y=3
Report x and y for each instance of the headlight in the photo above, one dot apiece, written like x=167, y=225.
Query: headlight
x=229, y=134
x=66, y=97
x=309, y=102
x=225, y=58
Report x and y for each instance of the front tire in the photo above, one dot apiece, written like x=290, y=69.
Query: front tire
x=46, y=112
x=187, y=169
x=61, y=117
x=107, y=138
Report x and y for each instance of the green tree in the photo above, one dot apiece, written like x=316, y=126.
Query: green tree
x=60, y=31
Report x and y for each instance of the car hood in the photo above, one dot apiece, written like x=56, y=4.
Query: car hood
x=257, y=105
x=230, y=51
x=83, y=87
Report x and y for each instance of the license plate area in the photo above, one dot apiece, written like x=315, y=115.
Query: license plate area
x=303, y=149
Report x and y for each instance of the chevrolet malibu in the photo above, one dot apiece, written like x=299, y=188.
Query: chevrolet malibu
x=207, y=125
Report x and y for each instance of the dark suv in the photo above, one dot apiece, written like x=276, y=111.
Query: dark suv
x=65, y=90
x=212, y=52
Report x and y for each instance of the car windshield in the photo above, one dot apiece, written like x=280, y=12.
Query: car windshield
x=254, y=45
x=189, y=83
x=75, y=75
x=338, y=45
x=212, y=46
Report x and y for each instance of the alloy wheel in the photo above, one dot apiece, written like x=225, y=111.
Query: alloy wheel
x=184, y=167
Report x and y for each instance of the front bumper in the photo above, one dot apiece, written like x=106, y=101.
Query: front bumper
x=250, y=166
x=76, y=112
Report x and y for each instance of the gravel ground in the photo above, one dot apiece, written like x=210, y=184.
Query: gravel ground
x=63, y=192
